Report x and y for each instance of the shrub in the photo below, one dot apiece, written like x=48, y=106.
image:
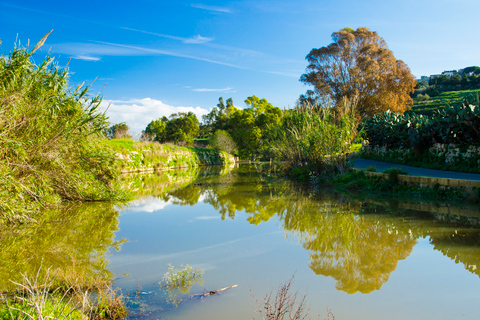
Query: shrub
x=221, y=140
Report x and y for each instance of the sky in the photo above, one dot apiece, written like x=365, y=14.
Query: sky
x=152, y=58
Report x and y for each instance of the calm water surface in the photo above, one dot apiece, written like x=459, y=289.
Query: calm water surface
x=360, y=259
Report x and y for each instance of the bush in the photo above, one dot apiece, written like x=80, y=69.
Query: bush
x=221, y=140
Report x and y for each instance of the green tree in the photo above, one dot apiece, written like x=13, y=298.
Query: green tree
x=358, y=66
x=182, y=128
x=155, y=130
x=251, y=127
x=219, y=117
x=119, y=131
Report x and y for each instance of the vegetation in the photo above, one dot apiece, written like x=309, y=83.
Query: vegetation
x=249, y=128
x=180, y=129
x=358, y=181
x=221, y=140
x=51, y=139
x=445, y=140
x=313, y=139
x=282, y=305
x=45, y=300
x=427, y=104
x=180, y=281
x=140, y=156
x=118, y=131
x=358, y=66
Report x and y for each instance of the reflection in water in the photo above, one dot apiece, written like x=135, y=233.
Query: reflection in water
x=356, y=243
x=72, y=241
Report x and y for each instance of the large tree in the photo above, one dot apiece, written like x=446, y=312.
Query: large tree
x=358, y=67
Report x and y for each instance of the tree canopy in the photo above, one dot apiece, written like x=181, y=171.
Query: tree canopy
x=358, y=67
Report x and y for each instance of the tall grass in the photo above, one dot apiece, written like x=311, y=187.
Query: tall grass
x=50, y=138
x=43, y=298
x=315, y=136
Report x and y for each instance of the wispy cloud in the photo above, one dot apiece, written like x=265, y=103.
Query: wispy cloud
x=169, y=53
x=138, y=113
x=228, y=89
x=194, y=40
x=198, y=39
x=211, y=8
x=86, y=58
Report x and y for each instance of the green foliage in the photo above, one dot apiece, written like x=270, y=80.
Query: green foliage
x=155, y=130
x=180, y=129
x=440, y=100
x=393, y=174
x=119, y=131
x=218, y=118
x=51, y=139
x=314, y=137
x=221, y=140
x=251, y=128
x=456, y=124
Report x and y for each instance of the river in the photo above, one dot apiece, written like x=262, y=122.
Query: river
x=362, y=259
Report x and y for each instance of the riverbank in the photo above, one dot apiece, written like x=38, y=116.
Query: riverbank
x=134, y=156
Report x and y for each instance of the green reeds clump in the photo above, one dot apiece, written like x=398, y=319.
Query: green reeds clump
x=315, y=137
x=51, y=139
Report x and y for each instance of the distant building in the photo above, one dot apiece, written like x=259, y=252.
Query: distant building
x=450, y=73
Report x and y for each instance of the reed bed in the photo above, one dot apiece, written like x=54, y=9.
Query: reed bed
x=315, y=136
x=51, y=139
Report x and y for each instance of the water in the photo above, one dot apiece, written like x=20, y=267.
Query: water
x=362, y=259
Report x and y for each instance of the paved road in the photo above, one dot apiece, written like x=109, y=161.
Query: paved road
x=415, y=171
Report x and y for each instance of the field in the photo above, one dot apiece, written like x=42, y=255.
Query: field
x=443, y=99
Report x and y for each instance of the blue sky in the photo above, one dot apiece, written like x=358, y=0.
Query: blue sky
x=152, y=58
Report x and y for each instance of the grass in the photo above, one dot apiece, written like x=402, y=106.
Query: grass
x=41, y=300
x=358, y=181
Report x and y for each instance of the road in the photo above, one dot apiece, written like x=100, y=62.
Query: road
x=415, y=171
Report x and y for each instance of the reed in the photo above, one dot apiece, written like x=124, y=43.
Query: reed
x=51, y=138
x=316, y=136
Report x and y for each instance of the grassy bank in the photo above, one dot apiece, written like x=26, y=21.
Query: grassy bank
x=135, y=156
x=51, y=139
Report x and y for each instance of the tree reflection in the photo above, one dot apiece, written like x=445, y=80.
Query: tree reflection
x=72, y=241
x=355, y=242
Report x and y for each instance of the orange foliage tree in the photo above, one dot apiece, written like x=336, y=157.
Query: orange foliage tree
x=359, y=67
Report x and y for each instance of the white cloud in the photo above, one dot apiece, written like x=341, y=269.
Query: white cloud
x=86, y=58
x=138, y=113
x=211, y=8
x=149, y=204
x=197, y=39
x=228, y=89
